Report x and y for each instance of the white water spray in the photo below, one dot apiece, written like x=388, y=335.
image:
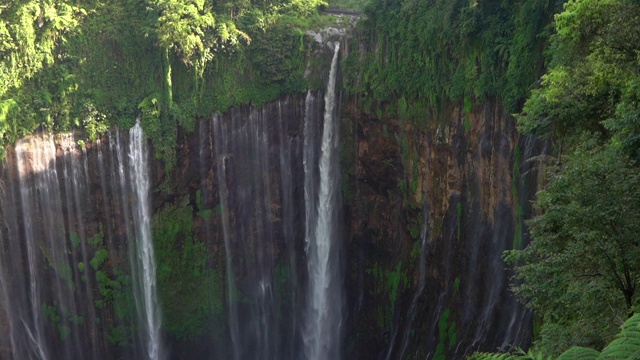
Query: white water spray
x=148, y=308
x=33, y=160
x=324, y=310
x=221, y=155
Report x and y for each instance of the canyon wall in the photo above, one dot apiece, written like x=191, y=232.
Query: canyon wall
x=431, y=207
x=428, y=207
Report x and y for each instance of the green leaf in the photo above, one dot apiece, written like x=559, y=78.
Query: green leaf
x=579, y=353
x=627, y=343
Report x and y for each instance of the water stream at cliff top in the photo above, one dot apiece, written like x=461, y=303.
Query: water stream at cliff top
x=324, y=309
x=276, y=174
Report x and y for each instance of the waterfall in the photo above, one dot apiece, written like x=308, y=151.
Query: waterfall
x=222, y=157
x=324, y=309
x=65, y=232
x=422, y=280
x=41, y=156
x=144, y=262
x=77, y=267
x=257, y=166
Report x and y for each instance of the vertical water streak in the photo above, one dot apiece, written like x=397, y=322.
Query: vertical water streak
x=257, y=176
x=34, y=324
x=145, y=258
x=310, y=168
x=422, y=280
x=75, y=188
x=121, y=190
x=221, y=157
x=265, y=328
x=82, y=171
x=54, y=230
x=527, y=183
x=288, y=213
x=323, y=332
x=5, y=299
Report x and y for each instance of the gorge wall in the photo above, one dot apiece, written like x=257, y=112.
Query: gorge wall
x=427, y=212
x=431, y=209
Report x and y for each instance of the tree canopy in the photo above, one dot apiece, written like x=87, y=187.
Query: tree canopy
x=581, y=268
x=444, y=50
x=92, y=64
x=580, y=272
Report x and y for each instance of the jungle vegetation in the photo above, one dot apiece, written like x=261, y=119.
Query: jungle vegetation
x=581, y=271
x=93, y=64
x=570, y=72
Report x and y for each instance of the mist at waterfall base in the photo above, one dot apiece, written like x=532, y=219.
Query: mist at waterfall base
x=76, y=263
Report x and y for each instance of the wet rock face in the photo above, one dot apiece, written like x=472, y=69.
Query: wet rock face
x=246, y=164
x=445, y=194
x=457, y=171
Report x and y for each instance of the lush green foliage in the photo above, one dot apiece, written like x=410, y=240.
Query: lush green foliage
x=352, y=5
x=390, y=283
x=92, y=64
x=581, y=270
x=444, y=50
x=114, y=298
x=190, y=290
x=592, y=84
x=447, y=335
x=516, y=354
x=578, y=352
x=625, y=346
x=627, y=343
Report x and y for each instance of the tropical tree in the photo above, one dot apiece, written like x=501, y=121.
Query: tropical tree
x=192, y=31
x=581, y=272
x=593, y=70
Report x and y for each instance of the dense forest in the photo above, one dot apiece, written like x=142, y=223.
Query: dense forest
x=92, y=64
x=569, y=71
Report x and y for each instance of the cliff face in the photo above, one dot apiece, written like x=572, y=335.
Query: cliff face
x=432, y=209
x=228, y=230
x=428, y=209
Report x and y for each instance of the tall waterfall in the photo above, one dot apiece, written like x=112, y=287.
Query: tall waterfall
x=255, y=161
x=143, y=259
x=65, y=232
x=324, y=309
x=260, y=188
x=232, y=307
x=29, y=202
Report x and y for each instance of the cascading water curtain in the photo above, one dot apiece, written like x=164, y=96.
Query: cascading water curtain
x=324, y=307
x=144, y=262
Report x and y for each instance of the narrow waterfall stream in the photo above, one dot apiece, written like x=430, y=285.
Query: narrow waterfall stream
x=39, y=195
x=232, y=307
x=422, y=279
x=59, y=230
x=324, y=309
x=143, y=258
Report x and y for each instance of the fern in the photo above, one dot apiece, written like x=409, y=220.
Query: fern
x=626, y=346
x=627, y=343
x=579, y=353
x=493, y=356
x=517, y=354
